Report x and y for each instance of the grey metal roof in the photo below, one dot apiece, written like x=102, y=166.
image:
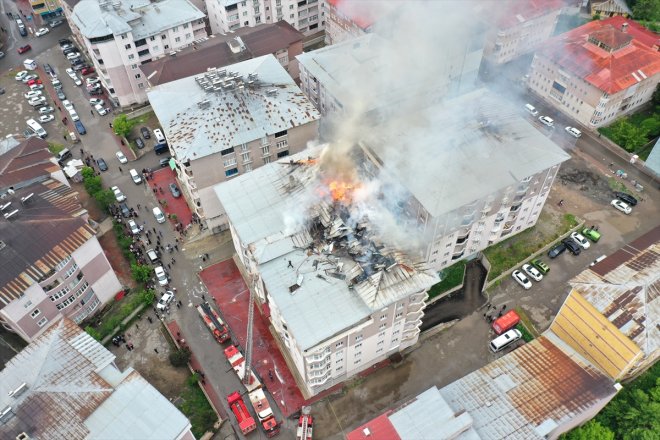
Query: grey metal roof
x=73, y=391
x=142, y=18
x=529, y=392
x=199, y=122
x=463, y=149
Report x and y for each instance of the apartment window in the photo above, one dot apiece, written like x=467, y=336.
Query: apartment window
x=280, y=133
x=256, y=9
x=167, y=46
x=185, y=26
x=123, y=37
x=339, y=361
x=247, y=167
x=177, y=40
x=339, y=368
x=244, y=147
x=141, y=86
x=244, y=15
x=143, y=52
x=131, y=56
x=227, y=151
x=245, y=157
x=398, y=315
x=175, y=28
x=42, y=321
x=357, y=361
x=383, y=317
x=396, y=332
x=339, y=344
x=382, y=326
x=282, y=144
x=380, y=342
x=292, y=16
x=235, y=16
x=395, y=340
x=358, y=338
x=188, y=36
x=138, y=76
x=379, y=350
x=291, y=7
x=127, y=46
x=163, y=36
x=265, y=150
x=152, y=38
x=231, y=172
x=381, y=334
x=257, y=19
x=229, y=161
x=71, y=270
x=283, y=153
x=358, y=345
x=134, y=66
x=156, y=49
x=35, y=313
x=267, y=159
x=358, y=354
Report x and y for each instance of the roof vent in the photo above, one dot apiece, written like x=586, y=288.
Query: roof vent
x=366, y=432
x=6, y=414
x=5, y=206
x=8, y=215
x=624, y=27
x=18, y=391
x=22, y=436
x=2, y=245
x=26, y=198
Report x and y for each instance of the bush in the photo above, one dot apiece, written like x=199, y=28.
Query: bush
x=180, y=357
x=122, y=126
x=197, y=409
x=140, y=272
x=105, y=198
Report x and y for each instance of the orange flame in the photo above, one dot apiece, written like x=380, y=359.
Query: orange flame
x=341, y=191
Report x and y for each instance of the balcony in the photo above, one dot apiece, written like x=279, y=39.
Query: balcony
x=320, y=356
x=410, y=334
x=414, y=316
x=415, y=307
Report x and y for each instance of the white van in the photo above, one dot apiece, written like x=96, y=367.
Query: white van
x=30, y=64
x=160, y=217
x=135, y=176
x=503, y=341
x=160, y=139
x=532, y=111
x=37, y=128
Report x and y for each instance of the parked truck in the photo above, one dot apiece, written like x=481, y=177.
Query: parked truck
x=243, y=417
x=213, y=322
x=506, y=322
x=305, y=425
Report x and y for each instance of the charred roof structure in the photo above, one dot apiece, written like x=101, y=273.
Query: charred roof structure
x=65, y=385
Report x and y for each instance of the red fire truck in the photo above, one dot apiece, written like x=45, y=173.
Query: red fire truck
x=213, y=322
x=506, y=322
x=243, y=417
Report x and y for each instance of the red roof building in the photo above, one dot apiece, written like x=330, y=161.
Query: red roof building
x=349, y=19
x=599, y=71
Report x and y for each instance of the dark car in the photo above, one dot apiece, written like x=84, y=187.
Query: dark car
x=64, y=41
x=95, y=92
x=69, y=50
x=145, y=133
x=124, y=209
x=102, y=165
x=77, y=62
x=557, y=250
x=165, y=162
x=572, y=246
x=24, y=49
x=626, y=198
x=78, y=67
x=49, y=70
x=139, y=143
x=80, y=127
x=174, y=190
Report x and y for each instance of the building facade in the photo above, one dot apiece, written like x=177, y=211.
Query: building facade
x=345, y=21
x=260, y=115
x=49, y=269
x=598, y=72
x=121, y=36
x=610, y=8
x=46, y=8
x=307, y=16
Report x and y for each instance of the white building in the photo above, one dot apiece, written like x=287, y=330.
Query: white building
x=121, y=35
x=258, y=114
x=339, y=301
x=65, y=385
x=307, y=16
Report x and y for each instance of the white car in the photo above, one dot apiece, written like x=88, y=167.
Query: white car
x=101, y=111
x=621, y=206
x=580, y=240
x=71, y=73
x=545, y=120
x=135, y=229
x=120, y=157
x=521, y=279
x=73, y=56
x=32, y=94
x=532, y=272
x=34, y=87
x=41, y=31
x=165, y=300
x=67, y=104
x=118, y=194
x=96, y=101
x=573, y=132
x=20, y=75
x=161, y=276
x=77, y=82
x=29, y=77
x=92, y=80
x=74, y=115
x=37, y=101
x=46, y=110
x=46, y=118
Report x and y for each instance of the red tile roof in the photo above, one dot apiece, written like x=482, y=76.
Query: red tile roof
x=378, y=428
x=628, y=62
x=518, y=12
x=639, y=32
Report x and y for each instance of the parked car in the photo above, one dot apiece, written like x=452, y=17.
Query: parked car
x=77, y=62
x=46, y=110
x=23, y=49
x=165, y=300
x=29, y=77
x=72, y=55
x=145, y=132
x=41, y=31
x=92, y=80
x=545, y=120
x=96, y=101
x=532, y=272
x=174, y=190
x=121, y=157
x=621, y=206
x=580, y=240
x=56, y=84
x=32, y=94
x=591, y=234
x=158, y=214
x=64, y=41
x=80, y=128
x=20, y=75
x=573, y=132
x=48, y=69
x=46, y=118
x=540, y=265
x=101, y=163
x=521, y=279
x=78, y=67
x=71, y=73
x=572, y=246
x=34, y=82
x=125, y=212
x=165, y=162
x=134, y=228
x=95, y=91
x=161, y=276
x=60, y=94
x=88, y=70
x=557, y=250
x=2, y=54
x=67, y=105
x=56, y=23
x=118, y=194
x=625, y=197
x=38, y=101
x=67, y=46
x=139, y=143
x=100, y=110
x=135, y=176
x=77, y=82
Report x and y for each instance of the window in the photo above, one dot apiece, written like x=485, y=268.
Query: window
x=256, y=9
x=339, y=368
x=247, y=167
x=383, y=326
x=267, y=159
x=188, y=36
x=177, y=40
x=282, y=144
x=383, y=317
x=134, y=66
x=358, y=354
x=227, y=151
x=399, y=315
x=131, y=56
x=380, y=342
x=283, y=153
x=167, y=46
x=141, y=86
x=185, y=26
x=358, y=345
x=257, y=19
x=358, y=338
x=280, y=133
x=123, y=37
x=127, y=46
x=42, y=321
x=379, y=350
x=231, y=172
x=245, y=157
x=265, y=150
x=381, y=334
x=244, y=147
x=143, y=52
x=152, y=38
x=357, y=361
x=175, y=28
x=138, y=76
x=230, y=161
x=35, y=313
x=339, y=344
x=156, y=49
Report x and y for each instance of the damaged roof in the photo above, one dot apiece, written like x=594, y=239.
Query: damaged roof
x=261, y=100
x=24, y=160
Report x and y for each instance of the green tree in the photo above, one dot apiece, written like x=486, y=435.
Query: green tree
x=148, y=296
x=628, y=136
x=122, y=126
x=647, y=10
x=93, y=333
x=93, y=185
x=656, y=95
x=105, y=197
x=87, y=172
x=589, y=431
x=180, y=357
x=141, y=273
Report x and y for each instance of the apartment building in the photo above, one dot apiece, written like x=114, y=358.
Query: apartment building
x=597, y=72
x=47, y=9
x=66, y=385
x=336, y=311
x=120, y=36
x=279, y=39
x=49, y=269
x=521, y=28
x=610, y=8
x=227, y=122
x=347, y=20
x=307, y=16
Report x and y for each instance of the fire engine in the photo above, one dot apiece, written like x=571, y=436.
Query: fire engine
x=213, y=322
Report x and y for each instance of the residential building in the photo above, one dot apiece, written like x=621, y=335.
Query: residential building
x=503, y=166
x=122, y=35
x=597, y=72
x=339, y=300
x=346, y=20
x=610, y=8
x=538, y=391
x=46, y=8
x=307, y=16
x=612, y=315
x=65, y=385
x=51, y=263
x=340, y=77
x=228, y=122
x=279, y=39
x=520, y=28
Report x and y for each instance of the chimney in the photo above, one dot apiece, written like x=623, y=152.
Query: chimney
x=624, y=27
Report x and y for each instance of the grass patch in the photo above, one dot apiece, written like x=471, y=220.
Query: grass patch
x=525, y=325
x=118, y=311
x=139, y=120
x=197, y=408
x=509, y=253
x=452, y=276
x=54, y=147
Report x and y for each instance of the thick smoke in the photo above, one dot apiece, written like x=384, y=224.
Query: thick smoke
x=410, y=61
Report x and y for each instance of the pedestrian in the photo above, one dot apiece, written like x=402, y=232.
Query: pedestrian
x=59, y=108
x=120, y=170
x=180, y=303
x=176, y=246
x=122, y=141
x=137, y=327
x=178, y=306
x=178, y=334
x=504, y=307
x=156, y=350
x=173, y=261
x=154, y=229
x=150, y=320
x=160, y=233
x=561, y=202
x=64, y=137
x=92, y=112
x=128, y=347
x=203, y=297
x=110, y=124
x=207, y=256
x=168, y=265
x=138, y=206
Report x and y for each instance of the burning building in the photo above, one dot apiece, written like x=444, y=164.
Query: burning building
x=341, y=297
